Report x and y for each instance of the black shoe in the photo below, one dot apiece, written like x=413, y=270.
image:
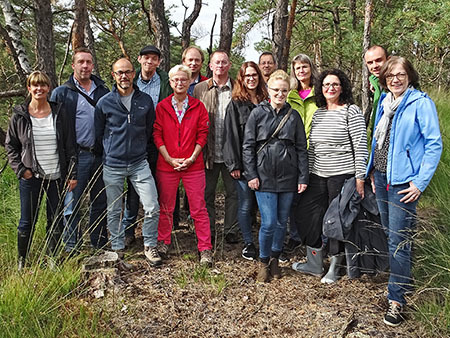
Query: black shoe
x=231, y=238
x=283, y=257
x=393, y=315
x=291, y=246
x=249, y=252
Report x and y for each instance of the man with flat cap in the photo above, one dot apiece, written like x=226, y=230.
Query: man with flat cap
x=153, y=81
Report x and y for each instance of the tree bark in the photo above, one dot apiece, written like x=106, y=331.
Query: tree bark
x=366, y=107
x=45, y=46
x=14, y=32
x=280, y=20
x=226, y=25
x=188, y=22
x=352, y=8
x=10, y=48
x=89, y=41
x=287, y=46
x=79, y=24
x=160, y=29
x=13, y=93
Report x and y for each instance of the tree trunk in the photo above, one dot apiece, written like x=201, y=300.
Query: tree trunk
x=79, y=24
x=13, y=28
x=188, y=22
x=89, y=42
x=10, y=49
x=287, y=46
x=352, y=7
x=45, y=46
x=366, y=106
x=226, y=25
x=161, y=31
x=280, y=20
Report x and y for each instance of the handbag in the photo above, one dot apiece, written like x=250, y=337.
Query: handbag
x=277, y=130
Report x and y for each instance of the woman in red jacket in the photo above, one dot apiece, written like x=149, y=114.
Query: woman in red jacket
x=180, y=133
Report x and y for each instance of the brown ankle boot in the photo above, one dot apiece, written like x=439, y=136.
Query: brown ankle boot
x=263, y=272
x=275, y=270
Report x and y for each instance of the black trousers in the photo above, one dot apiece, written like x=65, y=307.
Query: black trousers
x=312, y=205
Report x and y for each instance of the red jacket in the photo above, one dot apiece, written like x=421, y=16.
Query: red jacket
x=180, y=138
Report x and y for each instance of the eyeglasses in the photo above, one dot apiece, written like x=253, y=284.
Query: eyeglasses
x=248, y=76
x=278, y=90
x=267, y=63
x=329, y=85
x=182, y=81
x=399, y=76
x=127, y=73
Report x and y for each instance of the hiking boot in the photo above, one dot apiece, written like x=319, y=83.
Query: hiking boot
x=249, y=252
x=274, y=269
x=152, y=255
x=263, y=272
x=393, y=315
x=314, y=264
x=163, y=249
x=291, y=246
x=206, y=258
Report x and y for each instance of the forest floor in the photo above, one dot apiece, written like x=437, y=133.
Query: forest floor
x=182, y=299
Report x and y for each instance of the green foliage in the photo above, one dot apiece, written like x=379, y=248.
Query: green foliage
x=201, y=276
x=432, y=268
x=39, y=301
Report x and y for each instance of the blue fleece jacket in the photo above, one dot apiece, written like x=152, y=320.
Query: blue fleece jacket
x=124, y=136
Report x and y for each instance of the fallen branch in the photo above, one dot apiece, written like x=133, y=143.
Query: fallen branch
x=12, y=93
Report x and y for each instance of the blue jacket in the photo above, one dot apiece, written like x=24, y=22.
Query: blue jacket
x=123, y=137
x=69, y=98
x=415, y=141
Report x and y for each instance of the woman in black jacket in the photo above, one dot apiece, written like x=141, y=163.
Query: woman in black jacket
x=276, y=167
x=249, y=90
x=42, y=152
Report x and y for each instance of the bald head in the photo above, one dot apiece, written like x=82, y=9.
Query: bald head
x=123, y=73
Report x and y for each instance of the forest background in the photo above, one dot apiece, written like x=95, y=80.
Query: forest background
x=40, y=34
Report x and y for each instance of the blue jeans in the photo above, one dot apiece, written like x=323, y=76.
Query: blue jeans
x=274, y=208
x=399, y=220
x=31, y=192
x=89, y=178
x=142, y=180
x=245, y=206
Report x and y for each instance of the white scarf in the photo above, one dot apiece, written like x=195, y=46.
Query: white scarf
x=390, y=105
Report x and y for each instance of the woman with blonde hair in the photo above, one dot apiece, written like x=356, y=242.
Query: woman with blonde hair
x=276, y=167
x=42, y=152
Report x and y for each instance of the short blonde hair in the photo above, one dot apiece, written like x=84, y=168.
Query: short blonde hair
x=38, y=78
x=279, y=75
x=180, y=68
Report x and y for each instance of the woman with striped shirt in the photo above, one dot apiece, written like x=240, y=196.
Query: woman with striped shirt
x=42, y=152
x=337, y=151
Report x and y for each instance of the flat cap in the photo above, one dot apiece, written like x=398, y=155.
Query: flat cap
x=150, y=50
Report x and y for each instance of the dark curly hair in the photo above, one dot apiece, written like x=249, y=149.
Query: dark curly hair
x=346, y=96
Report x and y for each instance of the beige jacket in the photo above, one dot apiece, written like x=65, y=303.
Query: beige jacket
x=206, y=92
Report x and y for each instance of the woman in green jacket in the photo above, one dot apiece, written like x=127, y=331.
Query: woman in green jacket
x=301, y=98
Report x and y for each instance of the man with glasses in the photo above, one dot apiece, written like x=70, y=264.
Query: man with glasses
x=375, y=57
x=267, y=64
x=155, y=82
x=79, y=95
x=123, y=130
x=215, y=95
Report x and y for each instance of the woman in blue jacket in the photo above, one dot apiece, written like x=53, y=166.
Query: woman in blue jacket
x=406, y=149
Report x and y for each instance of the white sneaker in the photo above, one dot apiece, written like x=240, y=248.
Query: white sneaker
x=152, y=255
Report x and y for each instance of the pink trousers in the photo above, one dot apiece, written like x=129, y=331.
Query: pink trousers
x=194, y=184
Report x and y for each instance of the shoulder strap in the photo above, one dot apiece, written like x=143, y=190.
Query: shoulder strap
x=277, y=130
x=88, y=99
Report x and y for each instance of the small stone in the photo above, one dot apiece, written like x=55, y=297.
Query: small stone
x=99, y=293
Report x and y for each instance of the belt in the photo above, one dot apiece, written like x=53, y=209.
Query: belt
x=87, y=149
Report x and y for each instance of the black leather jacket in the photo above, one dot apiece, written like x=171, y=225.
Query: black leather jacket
x=236, y=117
x=283, y=163
x=19, y=143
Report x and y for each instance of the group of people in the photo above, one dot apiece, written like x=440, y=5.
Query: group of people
x=287, y=142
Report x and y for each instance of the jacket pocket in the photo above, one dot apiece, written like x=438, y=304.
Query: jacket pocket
x=408, y=154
